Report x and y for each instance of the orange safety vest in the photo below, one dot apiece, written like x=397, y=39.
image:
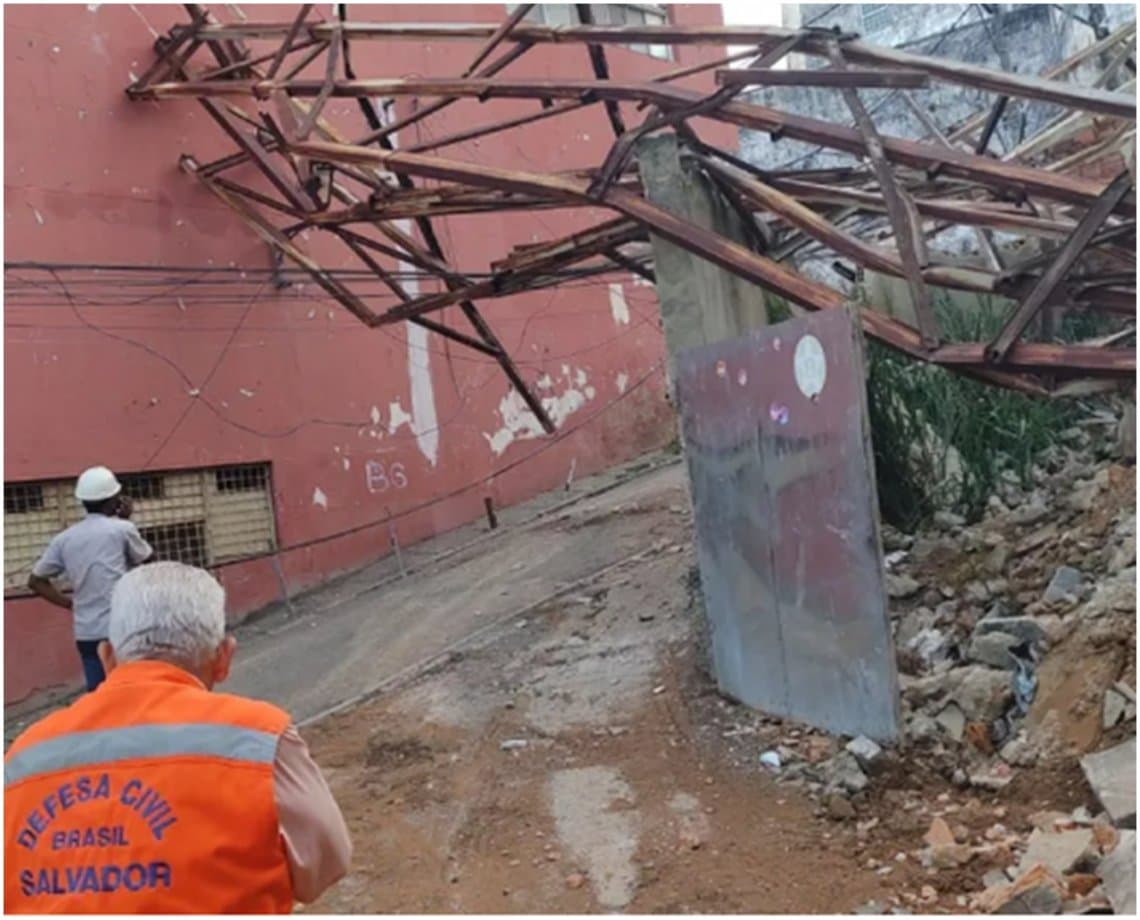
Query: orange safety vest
x=150, y=795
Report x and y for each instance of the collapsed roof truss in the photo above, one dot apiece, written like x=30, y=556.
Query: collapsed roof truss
x=358, y=188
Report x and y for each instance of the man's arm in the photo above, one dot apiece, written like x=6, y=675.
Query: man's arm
x=316, y=839
x=139, y=552
x=46, y=589
x=47, y=567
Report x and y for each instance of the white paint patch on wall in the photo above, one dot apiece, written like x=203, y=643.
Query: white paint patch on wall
x=618, y=306
x=520, y=424
x=375, y=416
x=319, y=498
x=397, y=417
x=622, y=381
x=425, y=424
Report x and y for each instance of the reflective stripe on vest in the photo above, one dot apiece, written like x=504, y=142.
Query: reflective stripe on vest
x=88, y=749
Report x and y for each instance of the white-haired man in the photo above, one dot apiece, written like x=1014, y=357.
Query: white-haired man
x=94, y=554
x=154, y=794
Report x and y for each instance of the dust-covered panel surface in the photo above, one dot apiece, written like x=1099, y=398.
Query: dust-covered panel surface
x=785, y=513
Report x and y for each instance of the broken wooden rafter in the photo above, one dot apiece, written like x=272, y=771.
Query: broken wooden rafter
x=1063, y=260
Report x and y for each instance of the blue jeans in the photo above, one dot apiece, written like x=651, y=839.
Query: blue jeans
x=92, y=666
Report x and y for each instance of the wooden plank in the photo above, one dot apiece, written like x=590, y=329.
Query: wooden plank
x=867, y=79
x=904, y=219
x=1063, y=260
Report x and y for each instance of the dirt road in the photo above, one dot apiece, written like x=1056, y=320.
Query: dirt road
x=579, y=759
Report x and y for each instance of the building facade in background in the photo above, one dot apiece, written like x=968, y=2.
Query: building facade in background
x=259, y=428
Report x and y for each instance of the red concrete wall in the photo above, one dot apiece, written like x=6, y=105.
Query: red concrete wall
x=93, y=178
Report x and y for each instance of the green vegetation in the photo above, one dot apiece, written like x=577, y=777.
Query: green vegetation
x=942, y=441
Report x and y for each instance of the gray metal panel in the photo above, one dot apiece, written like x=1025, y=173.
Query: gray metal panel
x=787, y=524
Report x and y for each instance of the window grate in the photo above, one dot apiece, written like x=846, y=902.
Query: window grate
x=248, y=478
x=609, y=14
x=23, y=498
x=200, y=517
x=184, y=543
x=143, y=486
x=876, y=17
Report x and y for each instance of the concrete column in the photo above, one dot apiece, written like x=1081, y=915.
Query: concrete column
x=700, y=302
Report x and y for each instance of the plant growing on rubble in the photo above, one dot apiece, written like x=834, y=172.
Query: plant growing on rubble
x=942, y=441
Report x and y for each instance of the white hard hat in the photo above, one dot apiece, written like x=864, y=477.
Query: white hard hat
x=96, y=485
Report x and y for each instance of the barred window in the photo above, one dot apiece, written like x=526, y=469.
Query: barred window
x=876, y=17
x=200, y=517
x=605, y=14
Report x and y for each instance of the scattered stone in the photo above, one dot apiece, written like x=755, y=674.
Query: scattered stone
x=575, y=881
x=992, y=649
x=928, y=894
x=992, y=780
x=1039, y=891
x=900, y=587
x=1026, y=629
x=996, y=561
x=1082, y=884
x=1118, y=873
x=839, y=809
x=1112, y=776
x=871, y=908
x=914, y=622
x=513, y=744
x=1020, y=752
x=948, y=856
x=1031, y=512
x=1065, y=584
x=939, y=834
x=864, y=750
x=931, y=646
x=846, y=773
x=977, y=593
x=995, y=878
x=1117, y=708
x=771, y=760
x=947, y=520
x=1106, y=836
x=1063, y=851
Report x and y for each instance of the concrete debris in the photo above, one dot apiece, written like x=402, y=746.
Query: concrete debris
x=1117, y=708
x=900, y=587
x=994, y=779
x=1117, y=872
x=952, y=721
x=839, y=809
x=992, y=649
x=865, y=751
x=1112, y=776
x=845, y=773
x=1039, y=891
x=1026, y=629
x=1064, y=586
x=939, y=834
x=1061, y=851
x=513, y=744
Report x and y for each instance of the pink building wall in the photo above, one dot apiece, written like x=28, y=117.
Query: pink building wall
x=93, y=178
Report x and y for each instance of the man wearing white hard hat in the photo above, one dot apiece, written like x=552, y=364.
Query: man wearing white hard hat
x=94, y=554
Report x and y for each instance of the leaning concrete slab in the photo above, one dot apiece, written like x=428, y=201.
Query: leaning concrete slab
x=1112, y=776
x=1118, y=873
x=783, y=487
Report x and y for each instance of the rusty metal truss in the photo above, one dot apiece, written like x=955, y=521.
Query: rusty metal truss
x=267, y=85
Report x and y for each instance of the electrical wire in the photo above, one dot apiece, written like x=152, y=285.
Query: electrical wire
x=455, y=493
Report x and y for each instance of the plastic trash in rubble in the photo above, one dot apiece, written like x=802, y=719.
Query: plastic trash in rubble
x=771, y=760
x=1024, y=677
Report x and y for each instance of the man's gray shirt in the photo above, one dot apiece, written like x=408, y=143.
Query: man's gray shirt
x=94, y=554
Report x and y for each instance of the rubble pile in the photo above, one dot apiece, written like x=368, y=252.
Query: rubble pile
x=1015, y=641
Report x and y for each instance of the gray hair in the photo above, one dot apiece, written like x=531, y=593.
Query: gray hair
x=167, y=611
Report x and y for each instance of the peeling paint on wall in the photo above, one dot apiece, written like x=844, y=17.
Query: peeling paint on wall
x=319, y=498
x=618, y=306
x=622, y=381
x=520, y=424
x=397, y=417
